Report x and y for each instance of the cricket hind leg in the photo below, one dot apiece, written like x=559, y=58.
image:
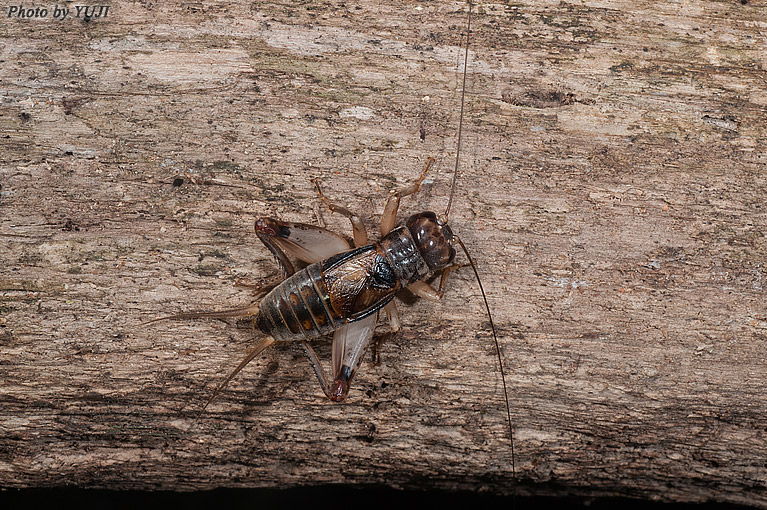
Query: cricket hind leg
x=394, y=327
x=305, y=242
x=350, y=342
x=258, y=349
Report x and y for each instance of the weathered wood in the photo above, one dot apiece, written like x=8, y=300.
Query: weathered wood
x=612, y=191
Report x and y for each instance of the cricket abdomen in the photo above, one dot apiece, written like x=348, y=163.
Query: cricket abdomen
x=298, y=308
x=326, y=295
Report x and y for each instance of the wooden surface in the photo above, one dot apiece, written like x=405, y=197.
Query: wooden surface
x=612, y=190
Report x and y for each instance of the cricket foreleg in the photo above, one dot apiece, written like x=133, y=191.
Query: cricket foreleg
x=443, y=276
x=393, y=316
x=389, y=216
x=426, y=291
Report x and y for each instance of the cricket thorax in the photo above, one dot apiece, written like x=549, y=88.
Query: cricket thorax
x=403, y=255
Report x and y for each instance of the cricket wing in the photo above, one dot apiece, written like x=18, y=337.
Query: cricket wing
x=305, y=242
x=359, y=282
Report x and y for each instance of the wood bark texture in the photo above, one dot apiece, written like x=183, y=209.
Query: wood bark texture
x=612, y=190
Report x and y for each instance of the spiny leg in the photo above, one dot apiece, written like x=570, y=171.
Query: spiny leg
x=258, y=349
x=426, y=291
x=389, y=216
x=358, y=228
x=267, y=229
x=314, y=361
x=394, y=328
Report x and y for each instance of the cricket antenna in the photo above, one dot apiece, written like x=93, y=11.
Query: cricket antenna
x=465, y=251
x=497, y=350
x=460, y=119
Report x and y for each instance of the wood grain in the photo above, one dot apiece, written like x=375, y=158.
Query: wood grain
x=612, y=191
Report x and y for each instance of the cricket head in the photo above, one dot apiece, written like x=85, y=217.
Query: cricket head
x=433, y=238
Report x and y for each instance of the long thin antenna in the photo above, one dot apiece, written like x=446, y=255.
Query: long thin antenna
x=497, y=351
x=460, y=121
x=471, y=261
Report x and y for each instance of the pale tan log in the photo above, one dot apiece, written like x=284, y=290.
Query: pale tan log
x=612, y=191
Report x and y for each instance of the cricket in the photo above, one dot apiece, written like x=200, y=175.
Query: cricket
x=343, y=289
